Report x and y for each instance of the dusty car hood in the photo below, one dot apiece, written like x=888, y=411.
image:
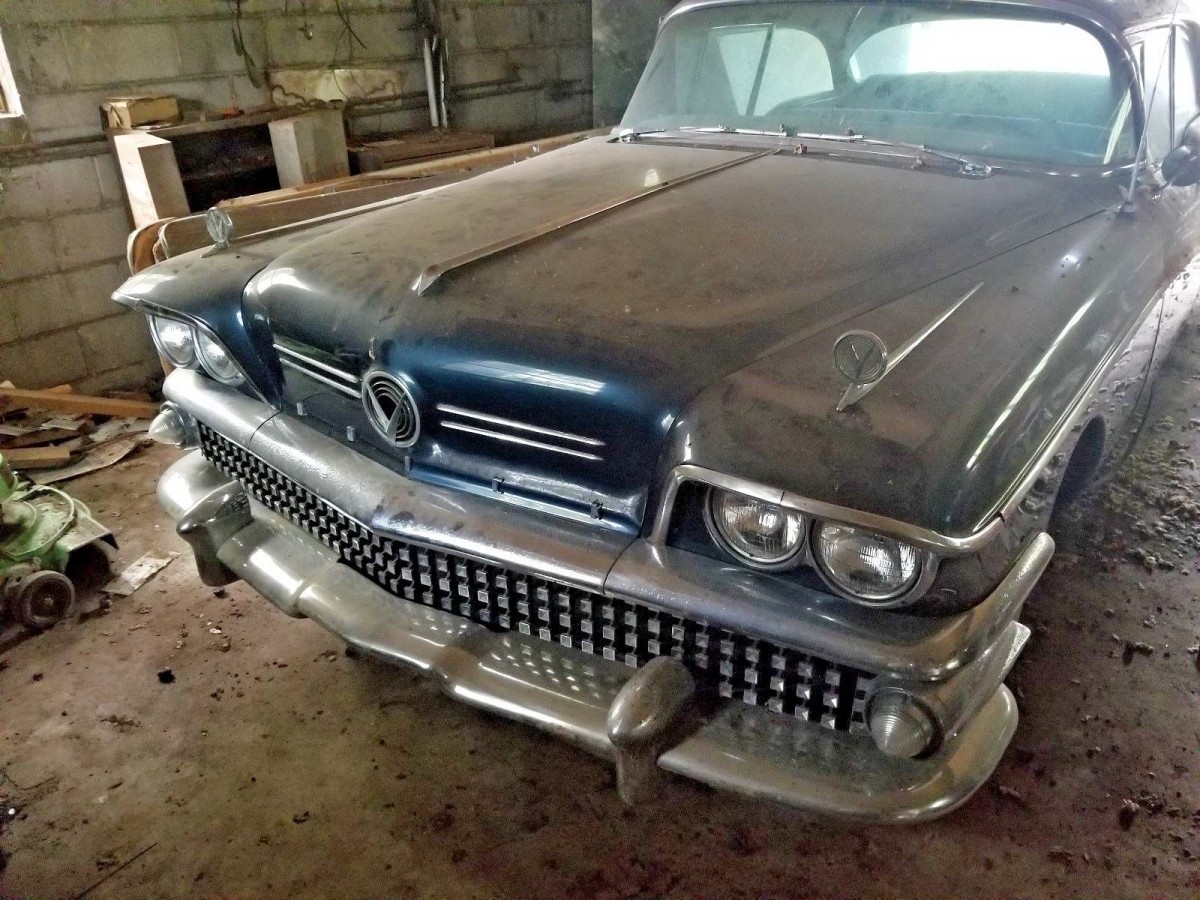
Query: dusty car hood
x=631, y=304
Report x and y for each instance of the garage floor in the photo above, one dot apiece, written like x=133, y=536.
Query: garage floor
x=275, y=765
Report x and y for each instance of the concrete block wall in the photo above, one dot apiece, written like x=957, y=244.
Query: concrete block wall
x=519, y=68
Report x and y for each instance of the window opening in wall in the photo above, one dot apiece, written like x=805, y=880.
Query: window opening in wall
x=10, y=103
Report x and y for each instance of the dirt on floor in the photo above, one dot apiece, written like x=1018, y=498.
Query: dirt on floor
x=193, y=741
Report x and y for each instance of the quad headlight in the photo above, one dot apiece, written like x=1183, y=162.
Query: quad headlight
x=217, y=361
x=175, y=340
x=867, y=567
x=187, y=346
x=762, y=535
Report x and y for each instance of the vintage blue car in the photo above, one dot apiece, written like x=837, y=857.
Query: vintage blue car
x=726, y=444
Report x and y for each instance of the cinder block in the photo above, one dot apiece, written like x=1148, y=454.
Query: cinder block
x=121, y=340
x=26, y=250
x=109, y=179
x=91, y=290
x=458, y=25
x=246, y=95
x=207, y=47
x=118, y=54
x=502, y=26
x=381, y=123
x=287, y=44
x=90, y=237
x=38, y=305
x=38, y=57
x=140, y=373
x=499, y=115
x=8, y=325
x=43, y=362
x=63, y=116
x=561, y=23
x=482, y=67
x=388, y=36
x=575, y=62
x=44, y=190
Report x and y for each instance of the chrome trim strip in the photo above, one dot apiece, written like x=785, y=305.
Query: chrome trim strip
x=436, y=270
x=525, y=442
x=941, y=544
x=317, y=376
x=856, y=392
x=308, y=360
x=735, y=746
x=497, y=420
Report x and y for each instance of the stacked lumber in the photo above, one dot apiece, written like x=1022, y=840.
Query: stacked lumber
x=57, y=434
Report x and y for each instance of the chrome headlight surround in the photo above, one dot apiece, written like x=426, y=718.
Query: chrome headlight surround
x=205, y=353
x=795, y=525
x=929, y=547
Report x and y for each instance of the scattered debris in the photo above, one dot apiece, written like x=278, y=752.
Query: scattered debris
x=1138, y=648
x=138, y=574
x=301, y=818
x=1128, y=812
x=166, y=676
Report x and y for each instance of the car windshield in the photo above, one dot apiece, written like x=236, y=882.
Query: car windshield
x=995, y=83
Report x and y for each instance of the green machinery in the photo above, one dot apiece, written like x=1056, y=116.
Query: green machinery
x=40, y=528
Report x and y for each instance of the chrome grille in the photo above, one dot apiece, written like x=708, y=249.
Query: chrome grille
x=724, y=663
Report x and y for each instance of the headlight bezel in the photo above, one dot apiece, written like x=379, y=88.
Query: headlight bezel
x=806, y=558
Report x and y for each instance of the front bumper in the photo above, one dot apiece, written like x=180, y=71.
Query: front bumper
x=955, y=666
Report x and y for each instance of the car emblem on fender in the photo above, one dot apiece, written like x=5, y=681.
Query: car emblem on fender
x=860, y=357
x=391, y=408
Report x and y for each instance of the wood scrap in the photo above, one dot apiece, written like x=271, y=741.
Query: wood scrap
x=75, y=403
x=38, y=437
x=138, y=574
x=33, y=458
x=9, y=406
x=99, y=456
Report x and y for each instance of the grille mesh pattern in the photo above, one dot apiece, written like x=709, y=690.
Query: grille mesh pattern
x=724, y=663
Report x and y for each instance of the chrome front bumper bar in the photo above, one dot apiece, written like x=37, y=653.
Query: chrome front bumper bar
x=641, y=719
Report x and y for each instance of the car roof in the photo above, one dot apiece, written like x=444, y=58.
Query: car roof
x=1117, y=15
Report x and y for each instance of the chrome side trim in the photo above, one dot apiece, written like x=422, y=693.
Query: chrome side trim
x=856, y=392
x=309, y=361
x=317, y=376
x=520, y=426
x=734, y=746
x=436, y=270
x=525, y=442
x=943, y=545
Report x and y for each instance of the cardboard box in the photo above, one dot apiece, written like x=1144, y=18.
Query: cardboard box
x=130, y=112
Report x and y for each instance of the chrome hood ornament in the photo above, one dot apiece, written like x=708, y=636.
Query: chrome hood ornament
x=863, y=359
x=220, y=227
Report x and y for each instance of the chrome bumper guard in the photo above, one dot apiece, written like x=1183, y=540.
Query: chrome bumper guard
x=645, y=720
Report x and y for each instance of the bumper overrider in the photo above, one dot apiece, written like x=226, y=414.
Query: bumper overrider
x=652, y=657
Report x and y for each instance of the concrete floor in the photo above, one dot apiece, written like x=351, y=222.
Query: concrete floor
x=275, y=765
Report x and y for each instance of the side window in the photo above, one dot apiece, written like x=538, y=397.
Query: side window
x=797, y=67
x=1185, y=103
x=1156, y=83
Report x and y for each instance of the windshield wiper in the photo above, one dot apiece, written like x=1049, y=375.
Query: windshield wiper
x=631, y=136
x=967, y=166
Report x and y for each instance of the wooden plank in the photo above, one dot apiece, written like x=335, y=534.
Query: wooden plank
x=39, y=437
x=418, y=146
x=151, y=175
x=38, y=457
x=79, y=403
x=310, y=147
x=8, y=407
